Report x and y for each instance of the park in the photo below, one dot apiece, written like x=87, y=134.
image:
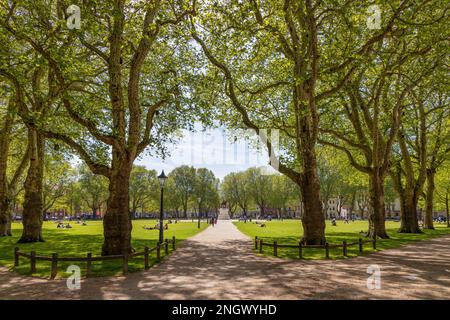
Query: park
x=318, y=164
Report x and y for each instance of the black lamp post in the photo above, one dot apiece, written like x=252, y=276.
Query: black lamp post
x=199, y=202
x=162, y=179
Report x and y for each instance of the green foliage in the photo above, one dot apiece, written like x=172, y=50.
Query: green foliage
x=144, y=190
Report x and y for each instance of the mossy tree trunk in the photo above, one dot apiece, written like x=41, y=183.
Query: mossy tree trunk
x=8, y=187
x=32, y=216
x=429, y=200
x=377, y=207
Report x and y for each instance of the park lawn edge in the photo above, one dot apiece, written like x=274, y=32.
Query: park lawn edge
x=134, y=266
x=439, y=231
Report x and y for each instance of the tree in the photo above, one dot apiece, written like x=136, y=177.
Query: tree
x=260, y=188
x=205, y=190
x=119, y=41
x=58, y=177
x=443, y=189
x=236, y=191
x=144, y=186
x=329, y=177
x=283, y=192
x=416, y=159
x=173, y=199
x=184, y=180
x=276, y=62
x=94, y=189
x=438, y=130
x=372, y=105
x=9, y=182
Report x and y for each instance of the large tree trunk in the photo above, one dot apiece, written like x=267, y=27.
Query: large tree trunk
x=377, y=207
x=116, y=222
x=313, y=220
x=447, y=210
x=94, y=212
x=428, y=221
x=409, y=221
x=33, y=203
x=262, y=210
x=5, y=216
x=5, y=136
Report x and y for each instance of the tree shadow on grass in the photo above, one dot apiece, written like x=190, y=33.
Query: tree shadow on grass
x=67, y=244
x=230, y=270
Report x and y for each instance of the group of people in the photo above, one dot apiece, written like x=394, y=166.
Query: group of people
x=63, y=226
x=156, y=227
x=333, y=221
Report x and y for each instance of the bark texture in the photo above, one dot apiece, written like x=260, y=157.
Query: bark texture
x=313, y=221
x=117, y=223
x=377, y=207
x=408, y=194
x=4, y=187
x=32, y=216
x=8, y=187
x=429, y=200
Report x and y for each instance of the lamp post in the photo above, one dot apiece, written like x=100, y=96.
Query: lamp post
x=199, y=202
x=162, y=179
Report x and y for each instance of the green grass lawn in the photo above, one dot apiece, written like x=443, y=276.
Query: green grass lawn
x=80, y=240
x=290, y=231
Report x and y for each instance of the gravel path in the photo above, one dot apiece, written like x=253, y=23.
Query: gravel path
x=218, y=263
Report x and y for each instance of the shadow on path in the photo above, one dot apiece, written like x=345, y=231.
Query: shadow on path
x=219, y=263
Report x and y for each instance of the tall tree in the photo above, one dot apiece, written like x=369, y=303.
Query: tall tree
x=372, y=105
x=58, y=176
x=284, y=192
x=8, y=182
x=119, y=41
x=94, y=189
x=416, y=157
x=184, y=179
x=277, y=61
x=144, y=186
x=236, y=191
x=260, y=188
x=443, y=189
x=205, y=190
x=438, y=129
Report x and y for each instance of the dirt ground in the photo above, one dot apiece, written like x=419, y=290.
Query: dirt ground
x=218, y=263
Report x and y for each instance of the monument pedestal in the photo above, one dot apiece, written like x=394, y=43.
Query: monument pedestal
x=223, y=214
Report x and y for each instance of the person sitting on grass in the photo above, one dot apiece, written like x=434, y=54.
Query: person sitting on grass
x=68, y=226
x=166, y=226
x=333, y=222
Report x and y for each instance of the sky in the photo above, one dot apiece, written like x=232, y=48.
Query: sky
x=214, y=149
